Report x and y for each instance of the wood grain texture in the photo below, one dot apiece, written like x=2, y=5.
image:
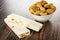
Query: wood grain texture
x=50, y=30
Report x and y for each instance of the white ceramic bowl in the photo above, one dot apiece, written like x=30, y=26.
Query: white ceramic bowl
x=42, y=18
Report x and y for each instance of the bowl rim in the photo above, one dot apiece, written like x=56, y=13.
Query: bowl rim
x=42, y=16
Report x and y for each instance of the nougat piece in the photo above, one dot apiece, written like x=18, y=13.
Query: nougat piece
x=19, y=30
x=32, y=24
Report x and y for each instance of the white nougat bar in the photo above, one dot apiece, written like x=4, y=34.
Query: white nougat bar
x=20, y=31
x=26, y=22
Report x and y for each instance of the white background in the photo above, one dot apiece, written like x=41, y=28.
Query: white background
x=21, y=7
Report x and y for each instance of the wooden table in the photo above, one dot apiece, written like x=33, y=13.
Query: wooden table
x=50, y=30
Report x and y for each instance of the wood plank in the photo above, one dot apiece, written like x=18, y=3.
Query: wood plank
x=50, y=30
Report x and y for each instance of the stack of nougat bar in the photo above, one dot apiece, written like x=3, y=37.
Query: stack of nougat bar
x=19, y=25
